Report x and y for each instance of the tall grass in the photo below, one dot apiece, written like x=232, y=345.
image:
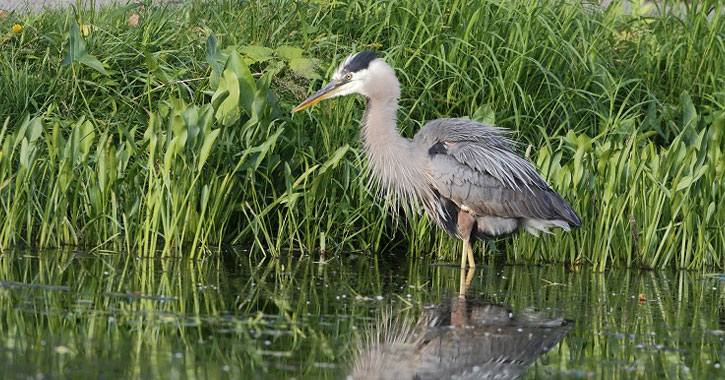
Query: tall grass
x=180, y=141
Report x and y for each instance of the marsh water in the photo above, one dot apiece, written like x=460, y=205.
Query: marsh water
x=70, y=314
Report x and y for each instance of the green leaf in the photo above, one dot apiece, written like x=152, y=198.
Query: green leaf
x=21, y=131
x=226, y=99
x=178, y=125
x=154, y=67
x=689, y=114
x=75, y=47
x=191, y=118
x=289, y=52
x=66, y=175
x=171, y=151
x=485, y=114
x=213, y=53
x=24, y=153
x=304, y=67
x=257, y=53
x=35, y=128
x=247, y=86
x=335, y=159
x=264, y=148
x=77, y=51
x=206, y=147
x=93, y=63
x=688, y=180
x=83, y=136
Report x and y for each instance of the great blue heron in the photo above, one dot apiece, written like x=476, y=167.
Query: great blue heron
x=464, y=173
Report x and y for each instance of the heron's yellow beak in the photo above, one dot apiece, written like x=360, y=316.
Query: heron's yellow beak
x=326, y=92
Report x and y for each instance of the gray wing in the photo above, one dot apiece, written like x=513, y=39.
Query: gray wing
x=474, y=165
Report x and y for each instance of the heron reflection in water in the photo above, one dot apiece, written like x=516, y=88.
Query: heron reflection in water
x=463, y=173
x=458, y=339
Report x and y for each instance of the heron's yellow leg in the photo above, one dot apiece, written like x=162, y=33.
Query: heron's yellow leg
x=466, y=279
x=469, y=252
x=464, y=255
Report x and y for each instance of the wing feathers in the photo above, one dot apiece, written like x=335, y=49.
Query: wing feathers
x=473, y=165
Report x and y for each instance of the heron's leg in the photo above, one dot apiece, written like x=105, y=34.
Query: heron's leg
x=469, y=252
x=465, y=225
x=464, y=256
x=466, y=279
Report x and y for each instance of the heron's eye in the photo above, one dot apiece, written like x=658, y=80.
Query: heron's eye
x=348, y=77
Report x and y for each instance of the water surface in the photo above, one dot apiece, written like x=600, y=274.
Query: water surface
x=66, y=314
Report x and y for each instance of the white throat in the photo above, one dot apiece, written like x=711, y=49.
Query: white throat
x=398, y=168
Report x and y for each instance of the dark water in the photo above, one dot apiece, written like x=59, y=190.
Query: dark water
x=67, y=314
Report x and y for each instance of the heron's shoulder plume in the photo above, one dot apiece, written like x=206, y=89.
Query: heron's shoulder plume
x=357, y=61
x=456, y=130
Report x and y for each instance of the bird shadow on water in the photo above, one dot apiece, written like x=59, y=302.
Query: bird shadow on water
x=461, y=337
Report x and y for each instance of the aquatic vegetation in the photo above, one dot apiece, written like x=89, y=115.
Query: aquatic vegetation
x=145, y=140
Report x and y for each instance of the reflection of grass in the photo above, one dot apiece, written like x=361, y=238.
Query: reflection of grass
x=61, y=313
x=125, y=148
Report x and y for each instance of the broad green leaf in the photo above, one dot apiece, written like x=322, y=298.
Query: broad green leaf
x=66, y=175
x=86, y=135
x=688, y=180
x=247, y=86
x=24, y=153
x=35, y=128
x=689, y=114
x=191, y=117
x=93, y=63
x=226, y=99
x=206, y=114
x=77, y=51
x=289, y=52
x=710, y=211
x=171, y=151
x=76, y=46
x=304, y=67
x=20, y=134
x=335, y=159
x=213, y=54
x=302, y=177
x=485, y=114
x=94, y=195
x=257, y=53
x=178, y=125
x=206, y=147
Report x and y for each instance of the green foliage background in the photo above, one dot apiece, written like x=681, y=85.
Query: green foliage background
x=174, y=135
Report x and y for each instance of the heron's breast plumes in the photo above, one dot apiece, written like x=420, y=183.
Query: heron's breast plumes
x=397, y=168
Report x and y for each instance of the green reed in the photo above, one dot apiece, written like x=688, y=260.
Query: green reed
x=144, y=139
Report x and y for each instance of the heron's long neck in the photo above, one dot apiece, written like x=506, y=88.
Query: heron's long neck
x=397, y=166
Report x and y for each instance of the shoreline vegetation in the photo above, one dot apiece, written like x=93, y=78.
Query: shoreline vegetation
x=165, y=129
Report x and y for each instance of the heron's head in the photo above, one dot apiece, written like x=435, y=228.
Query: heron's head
x=360, y=73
